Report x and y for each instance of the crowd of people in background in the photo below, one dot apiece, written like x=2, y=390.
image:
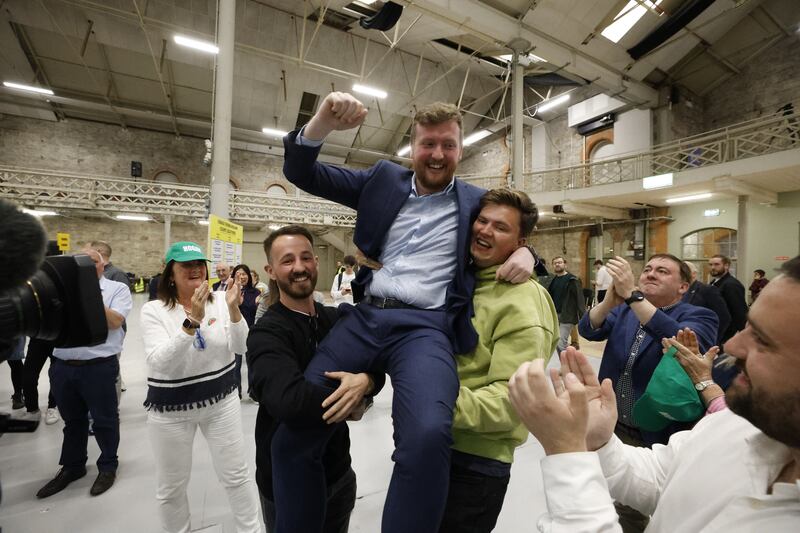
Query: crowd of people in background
x=691, y=423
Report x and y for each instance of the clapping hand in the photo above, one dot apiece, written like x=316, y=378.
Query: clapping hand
x=621, y=273
x=697, y=366
x=233, y=294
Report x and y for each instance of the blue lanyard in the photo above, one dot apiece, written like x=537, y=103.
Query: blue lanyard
x=199, y=342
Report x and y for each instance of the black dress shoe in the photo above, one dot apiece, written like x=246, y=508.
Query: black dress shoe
x=102, y=483
x=60, y=482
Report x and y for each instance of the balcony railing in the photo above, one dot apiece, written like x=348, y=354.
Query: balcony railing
x=44, y=188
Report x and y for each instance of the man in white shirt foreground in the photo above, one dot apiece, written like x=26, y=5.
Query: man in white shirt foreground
x=737, y=471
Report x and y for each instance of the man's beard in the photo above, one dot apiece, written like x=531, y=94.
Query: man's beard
x=778, y=418
x=298, y=290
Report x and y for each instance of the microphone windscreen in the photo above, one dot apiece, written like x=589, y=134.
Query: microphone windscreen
x=22, y=244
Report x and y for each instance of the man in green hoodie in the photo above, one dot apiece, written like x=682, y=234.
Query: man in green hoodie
x=515, y=323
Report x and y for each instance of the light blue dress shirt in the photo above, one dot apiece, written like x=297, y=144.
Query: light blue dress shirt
x=419, y=253
x=117, y=297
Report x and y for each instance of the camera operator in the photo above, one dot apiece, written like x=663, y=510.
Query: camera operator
x=83, y=379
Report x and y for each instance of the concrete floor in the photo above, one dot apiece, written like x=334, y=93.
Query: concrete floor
x=28, y=461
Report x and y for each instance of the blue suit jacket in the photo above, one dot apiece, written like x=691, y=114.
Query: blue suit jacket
x=377, y=194
x=619, y=329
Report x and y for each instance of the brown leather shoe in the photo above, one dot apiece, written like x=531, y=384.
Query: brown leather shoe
x=102, y=483
x=60, y=482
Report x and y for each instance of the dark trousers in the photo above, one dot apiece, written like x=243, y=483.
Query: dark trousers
x=413, y=348
x=631, y=520
x=238, y=370
x=79, y=390
x=473, y=502
x=38, y=352
x=341, y=498
x=16, y=378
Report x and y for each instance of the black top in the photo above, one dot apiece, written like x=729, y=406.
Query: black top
x=249, y=305
x=732, y=292
x=279, y=348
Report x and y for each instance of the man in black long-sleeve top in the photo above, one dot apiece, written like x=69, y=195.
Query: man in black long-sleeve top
x=732, y=292
x=707, y=296
x=279, y=348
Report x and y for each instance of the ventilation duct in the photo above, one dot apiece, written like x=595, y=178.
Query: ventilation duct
x=683, y=16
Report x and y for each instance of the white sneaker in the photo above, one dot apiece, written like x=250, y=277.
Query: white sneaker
x=51, y=416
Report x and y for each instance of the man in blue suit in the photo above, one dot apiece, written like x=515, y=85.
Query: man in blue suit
x=413, y=229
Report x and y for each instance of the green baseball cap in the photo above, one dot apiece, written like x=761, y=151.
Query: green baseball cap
x=670, y=397
x=185, y=251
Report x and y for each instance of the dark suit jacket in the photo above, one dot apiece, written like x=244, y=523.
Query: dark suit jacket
x=619, y=329
x=732, y=292
x=707, y=296
x=377, y=194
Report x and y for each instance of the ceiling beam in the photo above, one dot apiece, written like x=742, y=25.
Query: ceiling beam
x=732, y=186
x=36, y=66
x=167, y=97
x=595, y=211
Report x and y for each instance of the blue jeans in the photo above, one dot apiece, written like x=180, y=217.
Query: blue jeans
x=413, y=348
x=474, y=501
x=80, y=390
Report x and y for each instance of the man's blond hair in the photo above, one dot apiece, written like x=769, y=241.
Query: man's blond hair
x=437, y=113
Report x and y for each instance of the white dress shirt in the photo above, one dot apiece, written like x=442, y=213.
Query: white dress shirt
x=712, y=479
x=602, y=279
x=336, y=288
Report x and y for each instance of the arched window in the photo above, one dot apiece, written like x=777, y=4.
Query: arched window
x=698, y=247
x=165, y=176
x=276, y=190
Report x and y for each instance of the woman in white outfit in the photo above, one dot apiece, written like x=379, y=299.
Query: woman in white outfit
x=190, y=337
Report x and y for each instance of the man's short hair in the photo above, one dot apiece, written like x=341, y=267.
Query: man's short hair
x=553, y=260
x=349, y=260
x=597, y=262
x=692, y=266
x=683, y=268
x=725, y=259
x=103, y=247
x=760, y=272
x=293, y=229
x=437, y=113
x=528, y=213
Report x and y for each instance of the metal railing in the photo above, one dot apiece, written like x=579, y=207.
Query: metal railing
x=44, y=188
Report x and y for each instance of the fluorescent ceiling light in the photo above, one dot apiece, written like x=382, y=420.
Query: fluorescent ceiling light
x=553, y=102
x=372, y=91
x=711, y=213
x=477, y=136
x=404, y=150
x=203, y=222
x=31, y=88
x=140, y=218
x=39, y=213
x=273, y=132
x=702, y=196
x=657, y=182
x=627, y=19
x=203, y=46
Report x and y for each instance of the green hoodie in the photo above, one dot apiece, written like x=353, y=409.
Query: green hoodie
x=515, y=323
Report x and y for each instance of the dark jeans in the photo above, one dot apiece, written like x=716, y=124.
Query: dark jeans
x=338, y=506
x=473, y=502
x=38, y=352
x=412, y=346
x=82, y=390
x=16, y=378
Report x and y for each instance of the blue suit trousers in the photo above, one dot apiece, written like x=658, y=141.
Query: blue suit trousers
x=412, y=346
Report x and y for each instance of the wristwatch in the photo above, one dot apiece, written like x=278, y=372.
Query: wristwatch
x=188, y=324
x=702, y=385
x=636, y=296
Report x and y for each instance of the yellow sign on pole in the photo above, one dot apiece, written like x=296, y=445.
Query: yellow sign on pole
x=224, y=241
x=63, y=241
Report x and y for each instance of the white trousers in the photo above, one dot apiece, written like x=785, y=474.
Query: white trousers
x=172, y=435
